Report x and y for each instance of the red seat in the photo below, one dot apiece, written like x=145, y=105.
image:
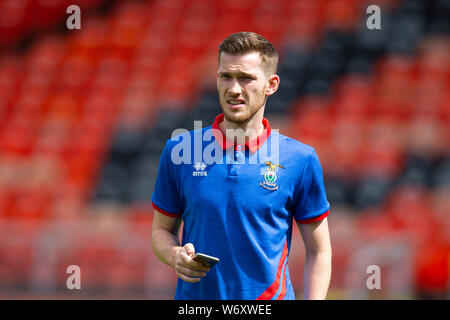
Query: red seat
x=91, y=40
x=313, y=122
x=74, y=74
x=383, y=146
x=48, y=12
x=64, y=107
x=424, y=136
x=141, y=218
x=53, y=138
x=431, y=269
x=352, y=97
x=14, y=21
x=6, y=202
x=29, y=107
x=303, y=22
x=11, y=73
x=16, y=266
x=31, y=204
x=17, y=138
x=45, y=55
x=373, y=224
x=238, y=7
x=342, y=15
x=407, y=206
x=111, y=74
x=80, y=171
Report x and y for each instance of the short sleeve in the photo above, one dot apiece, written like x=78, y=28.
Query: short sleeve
x=311, y=203
x=165, y=198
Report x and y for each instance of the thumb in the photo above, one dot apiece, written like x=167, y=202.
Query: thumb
x=189, y=247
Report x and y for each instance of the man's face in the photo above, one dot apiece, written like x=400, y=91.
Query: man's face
x=243, y=85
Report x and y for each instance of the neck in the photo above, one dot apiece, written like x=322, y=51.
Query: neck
x=242, y=132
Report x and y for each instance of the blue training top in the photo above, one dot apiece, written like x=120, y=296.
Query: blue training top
x=238, y=203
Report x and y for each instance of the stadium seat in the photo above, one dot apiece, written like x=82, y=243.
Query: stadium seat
x=85, y=114
x=431, y=271
x=13, y=22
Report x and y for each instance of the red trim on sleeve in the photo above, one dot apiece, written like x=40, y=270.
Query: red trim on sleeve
x=172, y=215
x=315, y=219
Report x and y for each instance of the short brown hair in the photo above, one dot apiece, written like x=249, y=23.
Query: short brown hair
x=246, y=42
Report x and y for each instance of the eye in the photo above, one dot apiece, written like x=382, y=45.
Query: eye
x=225, y=76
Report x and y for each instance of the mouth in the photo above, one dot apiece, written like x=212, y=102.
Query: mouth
x=235, y=103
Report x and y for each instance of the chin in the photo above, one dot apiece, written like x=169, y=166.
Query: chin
x=237, y=117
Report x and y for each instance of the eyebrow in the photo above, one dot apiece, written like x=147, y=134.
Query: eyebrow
x=239, y=73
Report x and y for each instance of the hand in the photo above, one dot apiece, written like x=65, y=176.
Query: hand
x=186, y=268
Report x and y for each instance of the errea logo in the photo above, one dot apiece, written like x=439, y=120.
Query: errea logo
x=199, y=170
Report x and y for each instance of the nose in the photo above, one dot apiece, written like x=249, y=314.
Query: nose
x=235, y=88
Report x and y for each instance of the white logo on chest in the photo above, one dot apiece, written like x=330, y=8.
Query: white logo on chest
x=199, y=170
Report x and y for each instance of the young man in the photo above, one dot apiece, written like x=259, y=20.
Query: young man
x=241, y=208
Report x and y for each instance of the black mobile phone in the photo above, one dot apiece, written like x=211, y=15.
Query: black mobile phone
x=205, y=259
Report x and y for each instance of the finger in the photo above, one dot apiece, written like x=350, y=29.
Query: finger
x=187, y=261
x=189, y=247
x=191, y=272
x=186, y=278
x=200, y=265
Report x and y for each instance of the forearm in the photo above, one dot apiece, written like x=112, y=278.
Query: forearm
x=165, y=245
x=317, y=274
x=167, y=248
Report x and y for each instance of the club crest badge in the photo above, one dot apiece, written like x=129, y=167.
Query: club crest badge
x=270, y=177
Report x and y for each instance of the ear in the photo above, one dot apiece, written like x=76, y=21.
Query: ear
x=272, y=84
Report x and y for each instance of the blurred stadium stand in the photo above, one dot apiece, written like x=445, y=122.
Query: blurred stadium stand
x=84, y=116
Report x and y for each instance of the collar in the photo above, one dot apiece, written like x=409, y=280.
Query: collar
x=253, y=145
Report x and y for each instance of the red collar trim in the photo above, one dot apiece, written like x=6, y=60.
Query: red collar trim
x=253, y=145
